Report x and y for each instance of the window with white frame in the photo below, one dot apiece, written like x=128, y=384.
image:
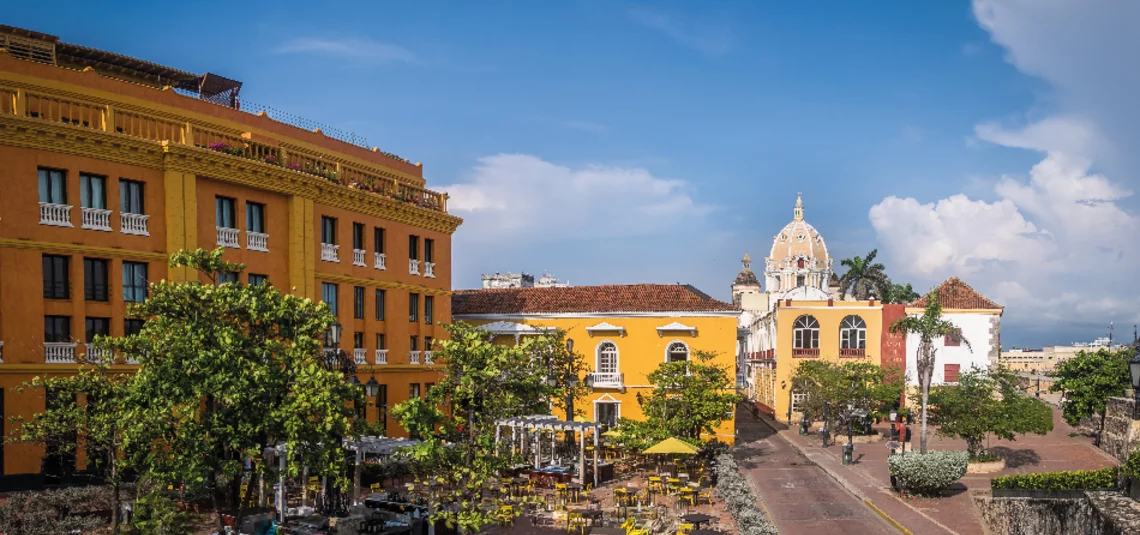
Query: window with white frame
x=805, y=333
x=677, y=352
x=607, y=357
x=853, y=333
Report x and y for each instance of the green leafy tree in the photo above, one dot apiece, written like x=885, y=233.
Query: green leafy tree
x=863, y=276
x=1088, y=380
x=99, y=423
x=858, y=385
x=226, y=370
x=55, y=511
x=891, y=293
x=987, y=403
x=690, y=398
x=457, y=459
x=565, y=369
x=928, y=326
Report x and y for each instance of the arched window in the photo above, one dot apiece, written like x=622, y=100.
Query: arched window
x=853, y=333
x=805, y=333
x=607, y=357
x=677, y=352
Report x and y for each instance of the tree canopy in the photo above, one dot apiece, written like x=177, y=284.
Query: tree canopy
x=986, y=402
x=457, y=459
x=210, y=353
x=891, y=293
x=861, y=385
x=1088, y=380
x=863, y=276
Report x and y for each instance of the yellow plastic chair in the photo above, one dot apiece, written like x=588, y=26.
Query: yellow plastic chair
x=684, y=529
x=705, y=494
x=575, y=520
x=688, y=495
x=374, y=488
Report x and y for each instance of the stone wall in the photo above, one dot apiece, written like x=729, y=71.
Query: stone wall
x=1121, y=432
x=1098, y=513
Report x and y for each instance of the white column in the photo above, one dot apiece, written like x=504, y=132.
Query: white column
x=595, y=457
x=582, y=456
x=356, y=476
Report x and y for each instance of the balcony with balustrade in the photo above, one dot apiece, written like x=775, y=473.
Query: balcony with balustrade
x=606, y=380
x=852, y=352
x=59, y=352
x=94, y=355
x=429, y=270
x=96, y=219
x=358, y=257
x=228, y=237
x=413, y=266
x=360, y=355
x=134, y=224
x=805, y=352
x=379, y=261
x=381, y=356
x=55, y=215
x=414, y=357
x=428, y=358
x=257, y=241
x=330, y=252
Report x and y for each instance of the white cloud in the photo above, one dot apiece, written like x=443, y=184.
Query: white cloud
x=704, y=39
x=524, y=199
x=348, y=48
x=1056, y=247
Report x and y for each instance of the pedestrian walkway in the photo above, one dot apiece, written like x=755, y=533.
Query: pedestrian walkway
x=797, y=495
x=954, y=512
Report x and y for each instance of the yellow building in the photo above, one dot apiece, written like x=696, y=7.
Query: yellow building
x=798, y=331
x=624, y=331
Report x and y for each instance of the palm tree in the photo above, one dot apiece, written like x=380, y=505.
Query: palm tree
x=897, y=293
x=928, y=326
x=863, y=276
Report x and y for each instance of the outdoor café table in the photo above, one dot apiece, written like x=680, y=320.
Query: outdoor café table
x=576, y=488
x=696, y=519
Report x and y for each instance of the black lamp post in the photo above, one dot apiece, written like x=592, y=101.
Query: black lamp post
x=332, y=336
x=372, y=388
x=1134, y=370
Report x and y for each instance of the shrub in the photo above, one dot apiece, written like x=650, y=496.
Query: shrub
x=925, y=473
x=155, y=514
x=985, y=457
x=54, y=511
x=1106, y=478
x=1132, y=467
x=739, y=500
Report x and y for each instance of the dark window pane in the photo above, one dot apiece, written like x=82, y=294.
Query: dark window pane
x=255, y=217
x=92, y=191
x=328, y=230
x=134, y=282
x=132, y=326
x=131, y=197
x=53, y=186
x=358, y=236
x=378, y=239
x=95, y=279
x=258, y=280
x=429, y=303
x=429, y=250
x=413, y=307
x=413, y=247
x=224, y=212
x=97, y=327
x=227, y=276
x=57, y=328
x=381, y=296
x=328, y=295
x=55, y=274
x=358, y=302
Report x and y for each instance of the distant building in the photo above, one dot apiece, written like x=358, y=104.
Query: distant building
x=498, y=281
x=1046, y=359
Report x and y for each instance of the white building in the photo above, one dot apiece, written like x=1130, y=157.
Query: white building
x=521, y=280
x=978, y=320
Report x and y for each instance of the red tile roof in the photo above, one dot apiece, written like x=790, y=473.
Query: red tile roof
x=957, y=294
x=587, y=299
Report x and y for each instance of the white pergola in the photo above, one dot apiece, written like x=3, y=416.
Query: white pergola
x=537, y=424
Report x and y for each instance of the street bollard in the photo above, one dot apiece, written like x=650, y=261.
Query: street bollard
x=848, y=453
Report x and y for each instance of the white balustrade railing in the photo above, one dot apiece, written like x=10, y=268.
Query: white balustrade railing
x=381, y=356
x=134, y=224
x=95, y=355
x=358, y=257
x=607, y=380
x=1, y=351
x=56, y=215
x=414, y=357
x=429, y=269
x=228, y=237
x=257, y=241
x=413, y=266
x=59, y=352
x=378, y=260
x=330, y=252
x=427, y=357
x=360, y=355
x=96, y=219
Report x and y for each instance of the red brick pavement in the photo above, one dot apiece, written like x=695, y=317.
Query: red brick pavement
x=795, y=493
x=954, y=512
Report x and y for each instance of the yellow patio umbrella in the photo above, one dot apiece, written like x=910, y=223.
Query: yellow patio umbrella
x=613, y=433
x=671, y=446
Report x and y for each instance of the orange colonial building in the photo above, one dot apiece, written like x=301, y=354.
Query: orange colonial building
x=108, y=164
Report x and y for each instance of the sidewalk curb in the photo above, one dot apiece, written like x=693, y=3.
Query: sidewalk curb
x=902, y=529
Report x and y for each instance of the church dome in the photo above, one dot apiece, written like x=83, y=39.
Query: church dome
x=799, y=239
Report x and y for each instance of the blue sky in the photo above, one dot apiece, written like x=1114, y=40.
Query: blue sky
x=612, y=142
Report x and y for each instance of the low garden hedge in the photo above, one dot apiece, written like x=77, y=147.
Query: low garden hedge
x=928, y=472
x=738, y=498
x=1107, y=478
